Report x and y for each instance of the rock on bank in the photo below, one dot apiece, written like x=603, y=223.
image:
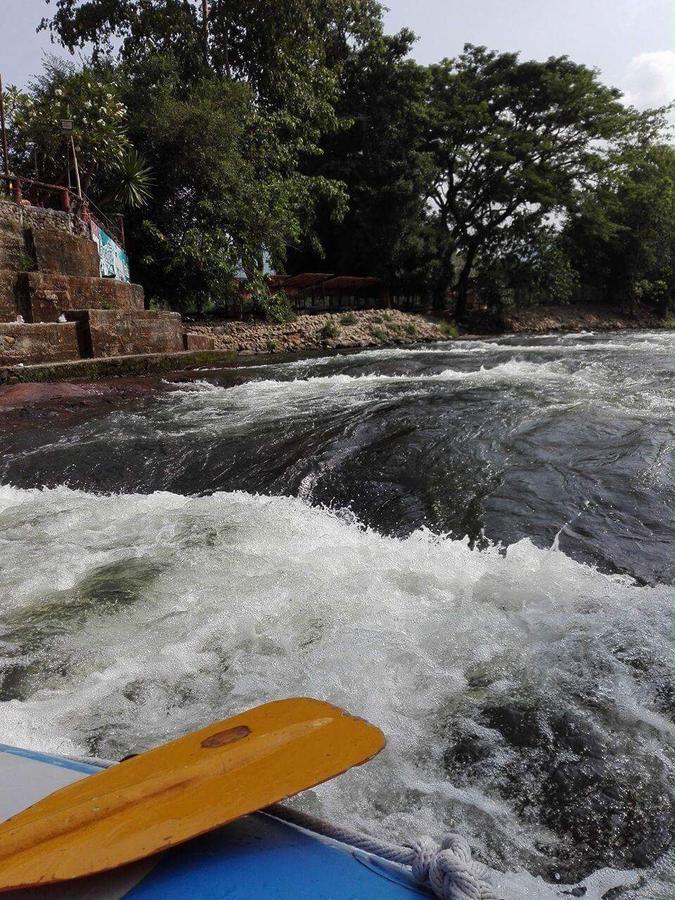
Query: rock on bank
x=366, y=328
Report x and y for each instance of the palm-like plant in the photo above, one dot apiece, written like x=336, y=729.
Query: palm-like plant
x=132, y=178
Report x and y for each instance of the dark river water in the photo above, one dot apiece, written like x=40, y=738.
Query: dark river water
x=470, y=544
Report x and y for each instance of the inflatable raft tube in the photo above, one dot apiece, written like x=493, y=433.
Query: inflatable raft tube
x=258, y=857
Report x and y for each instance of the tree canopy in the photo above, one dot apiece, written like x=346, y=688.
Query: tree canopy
x=299, y=133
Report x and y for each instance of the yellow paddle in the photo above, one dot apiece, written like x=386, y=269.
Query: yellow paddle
x=182, y=789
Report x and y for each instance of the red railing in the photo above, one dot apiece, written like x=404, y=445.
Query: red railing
x=56, y=196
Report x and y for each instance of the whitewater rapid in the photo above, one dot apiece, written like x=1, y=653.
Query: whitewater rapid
x=524, y=690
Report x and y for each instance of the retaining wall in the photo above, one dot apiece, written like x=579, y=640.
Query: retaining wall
x=47, y=295
x=61, y=253
x=42, y=342
x=109, y=332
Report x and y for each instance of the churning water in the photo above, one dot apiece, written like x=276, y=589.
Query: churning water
x=469, y=544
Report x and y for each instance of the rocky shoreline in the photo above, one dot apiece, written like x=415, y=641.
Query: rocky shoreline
x=391, y=327
x=325, y=331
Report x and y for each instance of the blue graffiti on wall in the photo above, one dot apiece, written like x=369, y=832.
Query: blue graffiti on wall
x=114, y=262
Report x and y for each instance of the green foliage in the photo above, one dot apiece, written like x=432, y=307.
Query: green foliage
x=132, y=181
x=410, y=328
x=622, y=236
x=513, y=142
x=329, y=331
x=25, y=263
x=379, y=333
x=91, y=97
x=348, y=319
x=378, y=154
x=271, y=345
x=535, y=269
x=296, y=134
x=274, y=307
x=449, y=329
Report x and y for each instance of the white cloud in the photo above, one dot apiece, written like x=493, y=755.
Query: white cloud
x=650, y=79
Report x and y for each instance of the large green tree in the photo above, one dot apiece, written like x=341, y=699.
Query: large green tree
x=285, y=56
x=622, y=236
x=378, y=155
x=227, y=192
x=513, y=143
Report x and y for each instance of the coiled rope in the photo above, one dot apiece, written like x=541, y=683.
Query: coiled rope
x=447, y=868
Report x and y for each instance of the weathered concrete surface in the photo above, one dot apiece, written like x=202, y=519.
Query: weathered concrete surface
x=42, y=342
x=192, y=341
x=117, y=366
x=49, y=295
x=12, y=243
x=10, y=292
x=37, y=217
x=61, y=253
x=110, y=332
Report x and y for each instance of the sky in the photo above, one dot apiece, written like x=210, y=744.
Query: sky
x=632, y=42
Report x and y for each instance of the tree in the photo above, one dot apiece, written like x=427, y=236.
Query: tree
x=227, y=193
x=534, y=267
x=378, y=156
x=285, y=55
x=513, y=142
x=622, y=237
x=92, y=99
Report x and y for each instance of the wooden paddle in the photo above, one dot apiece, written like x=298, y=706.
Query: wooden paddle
x=181, y=790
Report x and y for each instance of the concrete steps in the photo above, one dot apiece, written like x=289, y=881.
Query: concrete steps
x=48, y=269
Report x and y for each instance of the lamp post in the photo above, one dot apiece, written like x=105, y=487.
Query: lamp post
x=3, y=129
x=67, y=130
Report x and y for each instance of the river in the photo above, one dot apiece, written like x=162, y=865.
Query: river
x=470, y=544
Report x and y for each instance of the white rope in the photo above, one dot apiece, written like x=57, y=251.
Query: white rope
x=448, y=869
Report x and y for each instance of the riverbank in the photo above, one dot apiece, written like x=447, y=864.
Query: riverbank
x=326, y=331
x=386, y=328
x=224, y=344
x=575, y=318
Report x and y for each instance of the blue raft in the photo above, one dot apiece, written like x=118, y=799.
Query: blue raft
x=256, y=858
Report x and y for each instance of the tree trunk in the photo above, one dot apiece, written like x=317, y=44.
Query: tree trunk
x=463, y=284
x=444, y=280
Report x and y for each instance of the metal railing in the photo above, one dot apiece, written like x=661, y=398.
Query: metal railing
x=62, y=198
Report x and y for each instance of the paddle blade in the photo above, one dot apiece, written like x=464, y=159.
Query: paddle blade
x=182, y=789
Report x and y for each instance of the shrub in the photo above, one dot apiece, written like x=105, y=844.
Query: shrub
x=329, y=331
x=410, y=328
x=271, y=345
x=449, y=329
x=379, y=334
x=25, y=263
x=275, y=308
x=348, y=319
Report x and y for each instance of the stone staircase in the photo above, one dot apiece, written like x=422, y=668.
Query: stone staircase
x=49, y=269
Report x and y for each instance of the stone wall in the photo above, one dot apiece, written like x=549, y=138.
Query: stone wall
x=43, y=342
x=37, y=217
x=13, y=254
x=11, y=289
x=48, y=268
x=364, y=328
x=60, y=253
x=48, y=295
x=192, y=341
x=109, y=332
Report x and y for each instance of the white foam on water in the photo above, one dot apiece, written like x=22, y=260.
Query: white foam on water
x=181, y=610
x=566, y=344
